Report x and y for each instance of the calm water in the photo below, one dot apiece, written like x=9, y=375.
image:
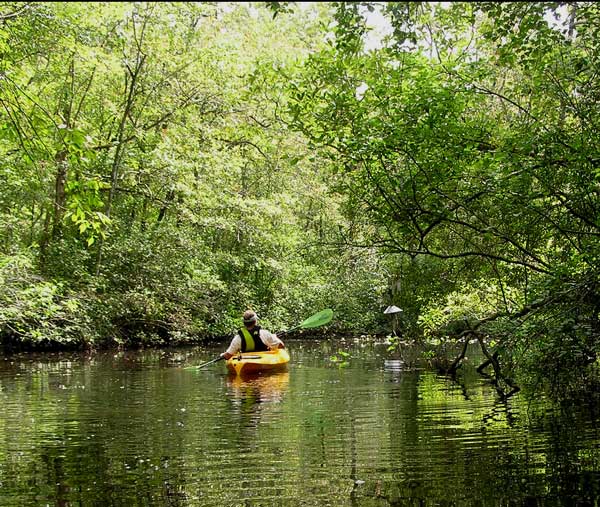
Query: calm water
x=136, y=428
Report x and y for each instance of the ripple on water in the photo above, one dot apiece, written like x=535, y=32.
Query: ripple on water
x=117, y=429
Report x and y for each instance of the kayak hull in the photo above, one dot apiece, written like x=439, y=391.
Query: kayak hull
x=256, y=362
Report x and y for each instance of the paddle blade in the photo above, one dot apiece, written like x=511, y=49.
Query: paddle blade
x=318, y=319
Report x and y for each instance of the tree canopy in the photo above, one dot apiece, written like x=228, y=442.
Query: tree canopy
x=167, y=165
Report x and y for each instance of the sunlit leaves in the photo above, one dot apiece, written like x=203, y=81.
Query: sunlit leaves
x=84, y=209
x=167, y=118
x=464, y=141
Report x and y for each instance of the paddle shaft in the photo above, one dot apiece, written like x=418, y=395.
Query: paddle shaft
x=283, y=333
x=220, y=358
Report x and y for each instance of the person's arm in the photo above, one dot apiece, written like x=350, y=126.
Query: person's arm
x=271, y=340
x=234, y=347
x=280, y=345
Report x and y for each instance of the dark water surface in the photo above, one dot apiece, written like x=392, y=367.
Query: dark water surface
x=135, y=428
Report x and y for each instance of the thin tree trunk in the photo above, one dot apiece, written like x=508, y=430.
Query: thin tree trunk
x=134, y=74
x=60, y=196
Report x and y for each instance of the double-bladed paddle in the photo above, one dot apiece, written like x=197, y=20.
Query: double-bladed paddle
x=316, y=320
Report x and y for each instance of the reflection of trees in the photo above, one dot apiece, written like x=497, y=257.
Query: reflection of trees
x=119, y=430
x=438, y=435
x=500, y=409
x=571, y=464
x=87, y=430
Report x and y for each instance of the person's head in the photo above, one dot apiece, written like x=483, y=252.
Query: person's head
x=250, y=319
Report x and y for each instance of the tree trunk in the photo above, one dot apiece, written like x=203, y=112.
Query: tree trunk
x=60, y=196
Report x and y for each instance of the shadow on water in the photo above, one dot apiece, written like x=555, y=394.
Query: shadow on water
x=137, y=428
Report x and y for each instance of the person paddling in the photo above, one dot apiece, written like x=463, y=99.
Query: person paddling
x=252, y=338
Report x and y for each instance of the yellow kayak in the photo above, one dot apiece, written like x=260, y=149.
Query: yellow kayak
x=255, y=362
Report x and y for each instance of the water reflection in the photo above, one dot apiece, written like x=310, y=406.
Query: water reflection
x=258, y=388
x=136, y=429
x=251, y=396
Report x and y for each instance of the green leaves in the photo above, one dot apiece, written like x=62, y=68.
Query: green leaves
x=468, y=149
x=279, y=7
x=83, y=209
x=35, y=312
x=186, y=161
x=147, y=160
x=341, y=358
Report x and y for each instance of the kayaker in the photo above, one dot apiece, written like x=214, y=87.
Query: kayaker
x=252, y=338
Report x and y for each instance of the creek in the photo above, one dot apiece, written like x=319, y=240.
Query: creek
x=345, y=425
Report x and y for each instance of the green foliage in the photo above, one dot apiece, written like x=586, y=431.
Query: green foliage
x=460, y=310
x=35, y=313
x=466, y=139
x=279, y=7
x=148, y=169
x=167, y=165
x=84, y=209
x=341, y=358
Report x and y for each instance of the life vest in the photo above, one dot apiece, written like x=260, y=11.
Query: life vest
x=251, y=341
